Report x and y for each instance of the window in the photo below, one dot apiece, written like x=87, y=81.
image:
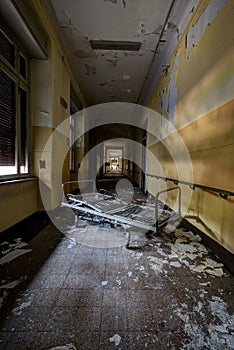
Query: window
x=14, y=85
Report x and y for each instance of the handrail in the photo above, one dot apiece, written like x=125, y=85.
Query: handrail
x=223, y=193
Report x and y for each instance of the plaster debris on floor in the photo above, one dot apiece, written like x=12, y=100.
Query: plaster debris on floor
x=11, y=251
x=86, y=290
x=116, y=339
x=64, y=347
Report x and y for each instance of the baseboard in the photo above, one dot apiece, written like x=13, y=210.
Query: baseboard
x=27, y=228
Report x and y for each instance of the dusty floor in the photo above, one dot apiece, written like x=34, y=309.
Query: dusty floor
x=171, y=294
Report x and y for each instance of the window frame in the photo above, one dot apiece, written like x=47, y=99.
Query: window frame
x=23, y=84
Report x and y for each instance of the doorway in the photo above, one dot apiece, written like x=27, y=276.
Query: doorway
x=114, y=161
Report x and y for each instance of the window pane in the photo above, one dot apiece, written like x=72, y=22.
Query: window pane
x=23, y=124
x=7, y=49
x=7, y=125
x=23, y=67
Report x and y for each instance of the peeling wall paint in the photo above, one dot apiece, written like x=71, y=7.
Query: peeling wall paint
x=90, y=69
x=202, y=109
x=197, y=30
x=169, y=100
x=85, y=54
x=115, y=2
x=126, y=77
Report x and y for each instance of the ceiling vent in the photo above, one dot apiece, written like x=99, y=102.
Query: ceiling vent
x=115, y=45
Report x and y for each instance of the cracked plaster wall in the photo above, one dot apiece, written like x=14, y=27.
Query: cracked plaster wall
x=195, y=93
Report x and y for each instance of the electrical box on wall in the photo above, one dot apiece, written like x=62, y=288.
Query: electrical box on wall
x=42, y=164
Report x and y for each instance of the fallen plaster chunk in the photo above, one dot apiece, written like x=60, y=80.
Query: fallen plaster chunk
x=116, y=339
x=6, y=251
x=129, y=273
x=13, y=255
x=198, y=268
x=191, y=256
x=72, y=243
x=11, y=246
x=141, y=268
x=18, y=310
x=181, y=240
x=213, y=263
x=172, y=255
x=204, y=284
x=64, y=347
x=192, y=236
x=221, y=329
x=10, y=285
x=215, y=272
x=157, y=264
x=20, y=245
x=175, y=264
x=4, y=243
x=139, y=255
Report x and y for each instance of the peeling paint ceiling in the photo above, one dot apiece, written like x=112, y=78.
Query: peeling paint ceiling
x=116, y=75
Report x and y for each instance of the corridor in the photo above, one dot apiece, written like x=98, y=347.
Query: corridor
x=116, y=174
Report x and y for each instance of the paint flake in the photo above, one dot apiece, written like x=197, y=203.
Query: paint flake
x=10, y=285
x=64, y=347
x=13, y=255
x=18, y=310
x=215, y=272
x=4, y=243
x=116, y=339
x=219, y=330
x=72, y=243
x=10, y=246
x=175, y=264
x=191, y=256
x=126, y=77
x=213, y=263
x=141, y=268
x=169, y=100
x=156, y=264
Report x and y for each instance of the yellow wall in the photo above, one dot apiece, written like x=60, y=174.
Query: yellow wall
x=18, y=200
x=51, y=81
x=199, y=85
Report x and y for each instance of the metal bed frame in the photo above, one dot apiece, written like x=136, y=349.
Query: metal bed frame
x=106, y=208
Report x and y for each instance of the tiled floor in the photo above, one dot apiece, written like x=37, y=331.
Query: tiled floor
x=76, y=294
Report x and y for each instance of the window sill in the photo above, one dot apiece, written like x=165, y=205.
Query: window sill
x=8, y=181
